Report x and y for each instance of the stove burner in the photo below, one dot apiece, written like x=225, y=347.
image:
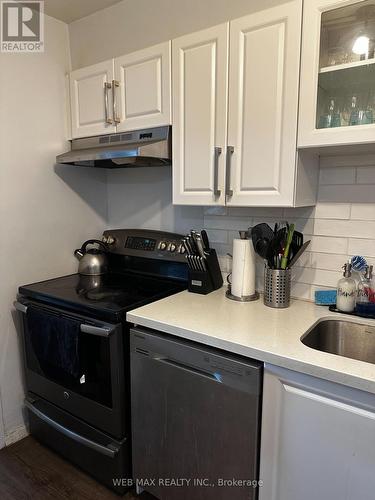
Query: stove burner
x=101, y=295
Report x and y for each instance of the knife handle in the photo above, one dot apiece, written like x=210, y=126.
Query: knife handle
x=206, y=242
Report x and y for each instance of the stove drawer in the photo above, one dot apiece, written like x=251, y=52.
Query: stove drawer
x=95, y=452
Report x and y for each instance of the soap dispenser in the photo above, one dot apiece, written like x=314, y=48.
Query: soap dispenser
x=346, y=291
x=365, y=292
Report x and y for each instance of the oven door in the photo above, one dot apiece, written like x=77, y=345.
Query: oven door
x=77, y=363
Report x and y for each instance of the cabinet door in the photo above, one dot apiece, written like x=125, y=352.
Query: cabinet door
x=199, y=81
x=263, y=100
x=144, y=92
x=318, y=439
x=337, y=96
x=91, y=100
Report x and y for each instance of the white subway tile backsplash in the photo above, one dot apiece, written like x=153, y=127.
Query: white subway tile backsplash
x=361, y=247
x=354, y=193
x=355, y=229
x=300, y=212
x=366, y=175
x=328, y=245
x=341, y=225
x=215, y=211
x=217, y=235
x=363, y=211
x=337, y=175
x=301, y=290
x=228, y=223
x=332, y=210
x=255, y=212
x=328, y=261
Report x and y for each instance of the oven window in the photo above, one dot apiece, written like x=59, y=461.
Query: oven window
x=56, y=349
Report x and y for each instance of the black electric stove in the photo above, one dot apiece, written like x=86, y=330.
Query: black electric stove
x=76, y=346
x=106, y=297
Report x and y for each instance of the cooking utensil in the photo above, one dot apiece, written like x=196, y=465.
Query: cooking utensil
x=297, y=242
x=299, y=253
x=284, y=260
x=276, y=248
x=262, y=235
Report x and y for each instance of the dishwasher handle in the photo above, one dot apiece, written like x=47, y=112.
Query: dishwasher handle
x=187, y=368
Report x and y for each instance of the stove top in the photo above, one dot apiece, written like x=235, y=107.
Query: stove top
x=145, y=265
x=107, y=297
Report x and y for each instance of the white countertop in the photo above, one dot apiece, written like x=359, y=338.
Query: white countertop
x=256, y=331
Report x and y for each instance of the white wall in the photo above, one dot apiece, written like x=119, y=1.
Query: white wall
x=142, y=198
x=134, y=24
x=341, y=225
x=45, y=213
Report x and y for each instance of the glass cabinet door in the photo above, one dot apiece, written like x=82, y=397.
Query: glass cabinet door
x=346, y=81
x=337, y=90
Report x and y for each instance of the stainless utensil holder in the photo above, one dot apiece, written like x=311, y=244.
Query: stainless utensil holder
x=277, y=285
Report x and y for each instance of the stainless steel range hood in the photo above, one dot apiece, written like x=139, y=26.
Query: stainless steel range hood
x=142, y=148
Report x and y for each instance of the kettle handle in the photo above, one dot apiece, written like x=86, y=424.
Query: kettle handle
x=92, y=242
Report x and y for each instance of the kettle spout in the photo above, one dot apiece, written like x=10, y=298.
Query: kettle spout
x=78, y=253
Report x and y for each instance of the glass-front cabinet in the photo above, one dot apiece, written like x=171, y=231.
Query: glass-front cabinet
x=337, y=100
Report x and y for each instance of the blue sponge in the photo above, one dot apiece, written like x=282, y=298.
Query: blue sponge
x=325, y=297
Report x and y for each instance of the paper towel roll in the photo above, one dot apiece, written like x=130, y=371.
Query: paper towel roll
x=243, y=268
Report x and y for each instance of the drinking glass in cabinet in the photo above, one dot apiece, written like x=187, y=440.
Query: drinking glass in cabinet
x=346, y=85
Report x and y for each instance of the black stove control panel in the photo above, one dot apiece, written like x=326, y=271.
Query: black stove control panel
x=145, y=243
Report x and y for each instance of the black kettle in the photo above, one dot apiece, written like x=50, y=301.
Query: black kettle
x=92, y=262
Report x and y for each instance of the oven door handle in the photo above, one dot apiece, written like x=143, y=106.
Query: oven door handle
x=110, y=450
x=96, y=330
x=20, y=307
x=100, y=331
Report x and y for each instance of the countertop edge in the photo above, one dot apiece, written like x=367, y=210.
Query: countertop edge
x=290, y=363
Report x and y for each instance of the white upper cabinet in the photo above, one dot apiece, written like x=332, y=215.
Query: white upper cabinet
x=318, y=439
x=263, y=106
x=144, y=92
x=91, y=100
x=235, y=114
x=127, y=93
x=200, y=69
x=337, y=95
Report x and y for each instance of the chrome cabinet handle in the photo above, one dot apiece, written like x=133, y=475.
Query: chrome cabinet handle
x=217, y=153
x=96, y=330
x=228, y=190
x=110, y=450
x=115, y=84
x=107, y=86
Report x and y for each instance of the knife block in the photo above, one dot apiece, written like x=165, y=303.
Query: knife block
x=207, y=281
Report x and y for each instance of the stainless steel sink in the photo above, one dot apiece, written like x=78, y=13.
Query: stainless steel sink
x=344, y=338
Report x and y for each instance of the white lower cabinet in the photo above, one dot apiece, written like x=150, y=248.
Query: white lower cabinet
x=318, y=439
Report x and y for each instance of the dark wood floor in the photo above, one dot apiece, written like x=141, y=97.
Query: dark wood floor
x=28, y=471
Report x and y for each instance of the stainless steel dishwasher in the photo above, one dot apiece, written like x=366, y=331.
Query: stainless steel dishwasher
x=195, y=419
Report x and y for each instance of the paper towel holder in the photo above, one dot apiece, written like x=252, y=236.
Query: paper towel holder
x=246, y=298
